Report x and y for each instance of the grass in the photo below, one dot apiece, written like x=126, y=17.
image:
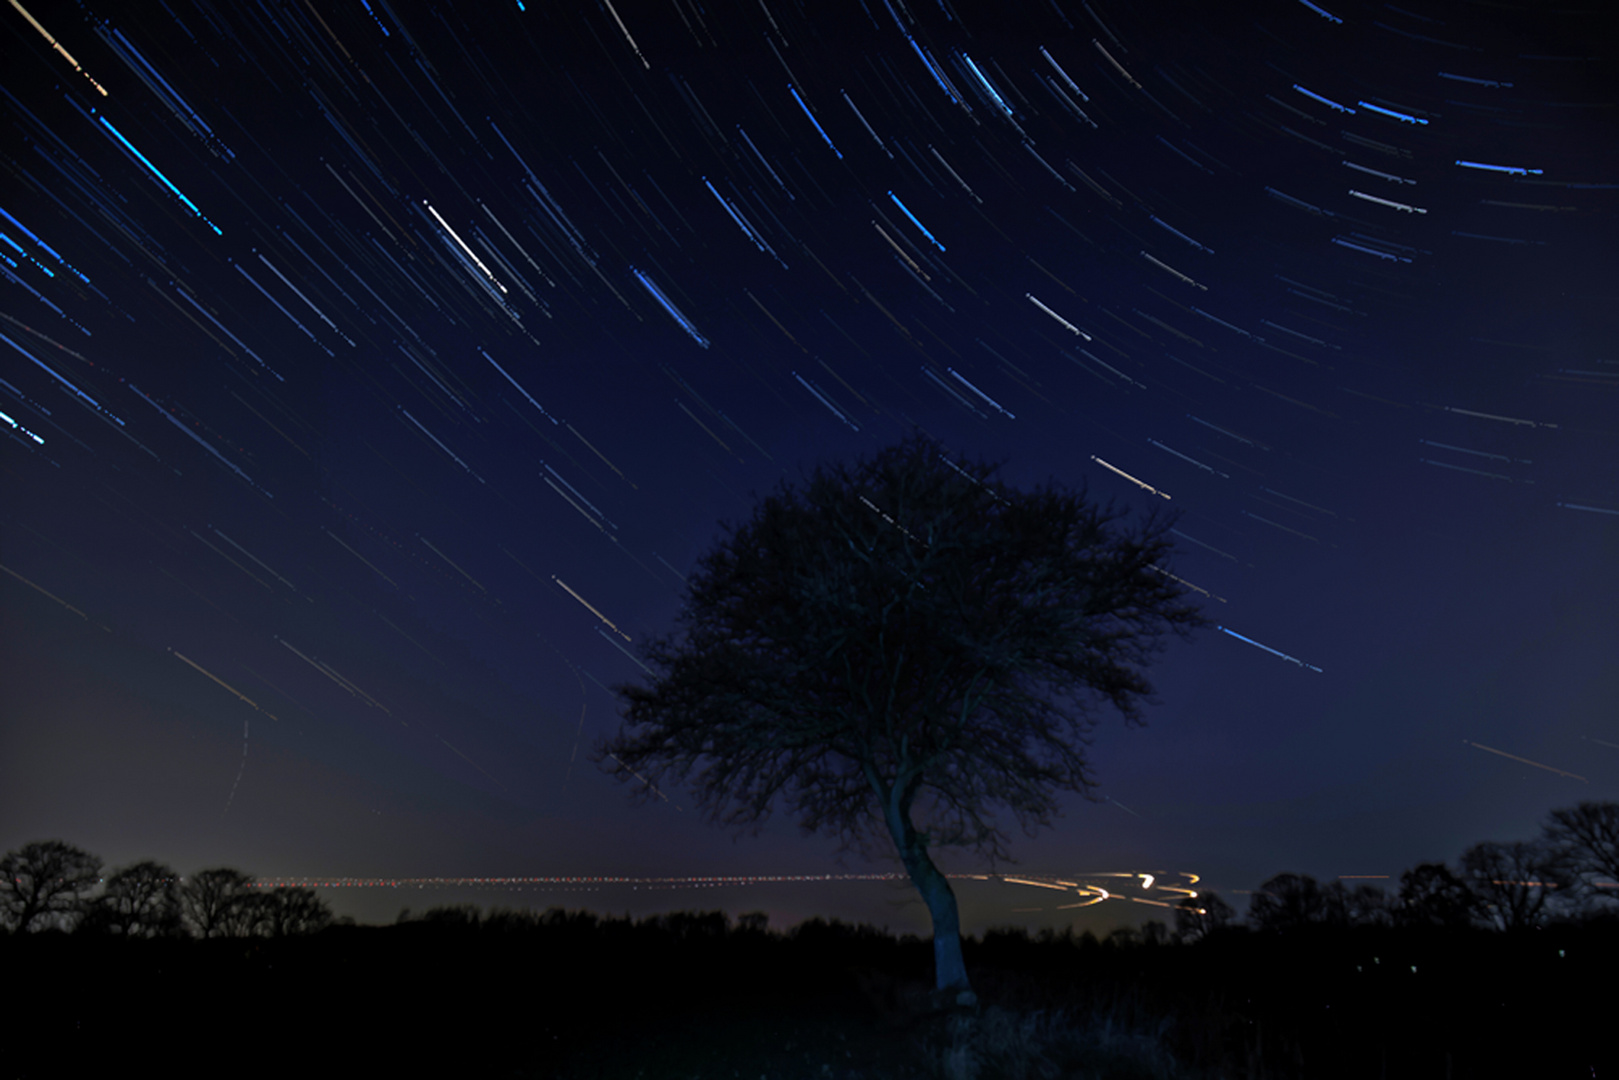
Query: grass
x=890, y=1027
x=556, y=997
x=1022, y=1030
x=1004, y=1044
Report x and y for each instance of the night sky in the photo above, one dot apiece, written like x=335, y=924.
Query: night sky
x=373, y=371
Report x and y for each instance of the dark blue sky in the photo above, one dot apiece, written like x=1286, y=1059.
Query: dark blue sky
x=374, y=371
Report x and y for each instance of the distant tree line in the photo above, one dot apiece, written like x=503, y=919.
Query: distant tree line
x=1569, y=872
x=52, y=885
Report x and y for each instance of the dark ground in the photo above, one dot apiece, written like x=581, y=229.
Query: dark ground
x=689, y=1000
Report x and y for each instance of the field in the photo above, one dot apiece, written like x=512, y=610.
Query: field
x=573, y=996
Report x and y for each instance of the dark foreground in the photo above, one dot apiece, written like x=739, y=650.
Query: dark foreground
x=567, y=996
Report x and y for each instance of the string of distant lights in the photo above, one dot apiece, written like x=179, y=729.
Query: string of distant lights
x=1089, y=893
x=1121, y=885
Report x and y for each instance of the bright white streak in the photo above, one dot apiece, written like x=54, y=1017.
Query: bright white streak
x=470, y=253
x=1059, y=318
x=593, y=611
x=627, y=36
x=1387, y=202
x=1127, y=476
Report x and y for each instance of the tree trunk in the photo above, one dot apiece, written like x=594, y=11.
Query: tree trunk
x=949, y=966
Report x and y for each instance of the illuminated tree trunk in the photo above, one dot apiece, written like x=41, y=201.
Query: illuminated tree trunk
x=949, y=965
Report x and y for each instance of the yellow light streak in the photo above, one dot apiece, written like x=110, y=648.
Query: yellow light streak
x=224, y=684
x=1526, y=761
x=57, y=45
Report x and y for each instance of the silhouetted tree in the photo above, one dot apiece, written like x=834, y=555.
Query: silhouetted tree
x=1287, y=902
x=753, y=922
x=1122, y=937
x=690, y=925
x=1431, y=895
x=579, y=922
x=285, y=910
x=893, y=648
x=1517, y=883
x=469, y=915
x=1196, y=916
x=512, y=921
x=45, y=885
x=1344, y=906
x=1154, y=932
x=139, y=900
x=219, y=903
x=1589, y=834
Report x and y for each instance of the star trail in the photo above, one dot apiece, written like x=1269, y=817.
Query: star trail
x=374, y=371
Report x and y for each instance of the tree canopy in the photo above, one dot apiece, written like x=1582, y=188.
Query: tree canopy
x=139, y=900
x=1196, y=917
x=906, y=619
x=1431, y=895
x=44, y=884
x=1588, y=834
x=903, y=628
x=219, y=902
x=1517, y=882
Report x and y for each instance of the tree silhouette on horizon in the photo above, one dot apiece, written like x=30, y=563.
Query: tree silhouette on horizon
x=138, y=900
x=1588, y=834
x=219, y=902
x=1517, y=882
x=47, y=882
x=895, y=646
